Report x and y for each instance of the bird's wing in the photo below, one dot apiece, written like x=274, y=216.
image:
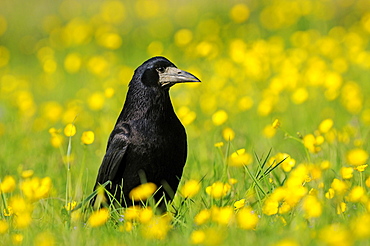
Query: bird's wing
x=116, y=149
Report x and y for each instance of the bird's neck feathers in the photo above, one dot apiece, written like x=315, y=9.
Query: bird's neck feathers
x=147, y=102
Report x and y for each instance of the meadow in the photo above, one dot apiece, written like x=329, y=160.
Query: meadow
x=278, y=130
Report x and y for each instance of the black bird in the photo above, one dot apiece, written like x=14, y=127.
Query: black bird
x=148, y=142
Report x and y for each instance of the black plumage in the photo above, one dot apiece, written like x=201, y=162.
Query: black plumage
x=148, y=142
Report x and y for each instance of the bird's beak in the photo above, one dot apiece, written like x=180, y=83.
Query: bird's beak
x=173, y=75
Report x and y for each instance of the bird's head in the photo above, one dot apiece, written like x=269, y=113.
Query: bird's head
x=161, y=73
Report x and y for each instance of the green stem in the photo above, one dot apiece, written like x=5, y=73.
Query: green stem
x=83, y=163
x=69, y=178
x=298, y=140
x=4, y=203
x=307, y=154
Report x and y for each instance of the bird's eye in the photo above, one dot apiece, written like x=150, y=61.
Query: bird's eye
x=161, y=69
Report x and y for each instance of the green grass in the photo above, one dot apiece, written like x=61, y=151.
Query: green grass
x=300, y=62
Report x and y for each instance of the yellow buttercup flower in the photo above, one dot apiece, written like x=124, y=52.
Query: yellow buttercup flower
x=186, y=115
x=190, y=188
x=330, y=193
x=312, y=207
x=240, y=158
x=7, y=184
x=183, y=37
x=218, y=189
x=45, y=239
x=19, y=205
x=341, y=208
x=96, y=101
x=36, y=188
x=286, y=165
x=4, y=226
x=157, y=227
x=239, y=204
x=245, y=103
x=145, y=215
x=17, y=239
x=312, y=143
x=97, y=65
x=228, y=134
x=361, y=168
x=219, y=117
x=27, y=174
x=219, y=144
x=127, y=226
x=70, y=130
x=300, y=95
x=357, y=194
x=214, y=236
x=70, y=206
x=339, y=186
x=87, y=137
x=325, y=165
x=72, y=63
x=52, y=111
x=276, y=124
x=132, y=213
x=8, y=211
x=109, y=40
x=56, y=140
x=23, y=220
x=357, y=157
x=202, y=217
x=222, y=215
x=326, y=125
x=269, y=131
x=142, y=192
x=359, y=226
x=98, y=218
x=109, y=92
x=270, y=206
x=346, y=172
x=239, y=13
x=335, y=234
x=197, y=237
x=247, y=219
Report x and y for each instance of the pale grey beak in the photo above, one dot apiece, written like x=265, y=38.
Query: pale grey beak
x=173, y=75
